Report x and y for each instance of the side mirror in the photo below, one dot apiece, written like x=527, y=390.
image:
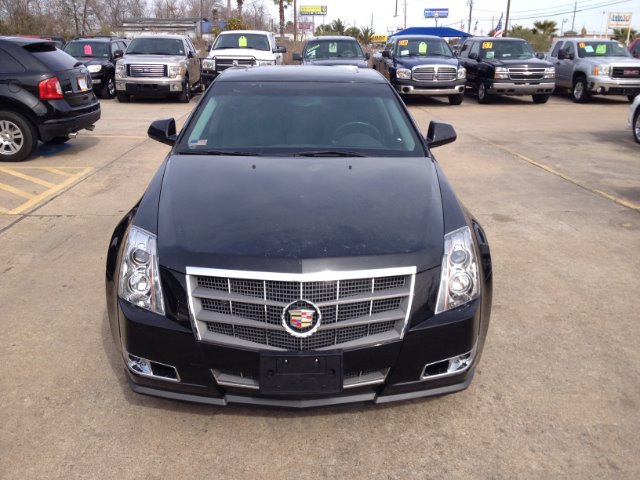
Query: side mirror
x=562, y=54
x=386, y=54
x=367, y=55
x=190, y=55
x=296, y=57
x=440, y=133
x=474, y=56
x=118, y=54
x=280, y=50
x=163, y=131
x=540, y=55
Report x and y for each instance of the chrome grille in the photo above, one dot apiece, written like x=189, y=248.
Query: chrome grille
x=149, y=71
x=625, y=72
x=357, y=308
x=437, y=73
x=526, y=74
x=223, y=63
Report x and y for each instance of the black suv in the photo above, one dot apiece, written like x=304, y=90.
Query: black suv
x=45, y=94
x=99, y=54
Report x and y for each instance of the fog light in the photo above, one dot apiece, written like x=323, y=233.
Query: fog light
x=139, y=365
x=149, y=368
x=450, y=366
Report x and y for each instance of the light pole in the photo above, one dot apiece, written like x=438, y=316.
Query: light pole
x=564, y=20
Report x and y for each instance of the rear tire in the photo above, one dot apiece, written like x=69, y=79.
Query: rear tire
x=123, y=98
x=635, y=126
x=541, y=98
x=579, y=92
x=18, y=137
x=109, y=90
x=483, y=97
x=456, y=99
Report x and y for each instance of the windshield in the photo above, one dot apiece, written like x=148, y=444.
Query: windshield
x=602, y=49
x=420, y=47
x=321, y=49
x=242, y=40
x=301, y=118
x=87, y=49
x=505, y=49
x=156, y=46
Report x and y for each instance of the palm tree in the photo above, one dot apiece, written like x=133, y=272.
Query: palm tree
x=365, y=35
x=323, y=30
x=620, y=34
x=240, y=3
x=338, y=27
x=282, y=4
x=352, y=32
x=548, y=28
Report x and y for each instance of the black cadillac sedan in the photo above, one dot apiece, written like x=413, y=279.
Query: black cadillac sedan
x=299, y=247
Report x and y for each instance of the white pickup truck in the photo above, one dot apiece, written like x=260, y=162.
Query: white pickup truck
x=241, y=48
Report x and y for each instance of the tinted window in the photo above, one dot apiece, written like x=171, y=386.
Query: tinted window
x=556, y=49
x=420, y=47
x=320, y=49
x=80, y=48
x=505, y=50
x=156, y=46
x=475, y=48
x=286, y=118
x=601, y=49
x=8, y=64
x=242, y=40
x=51, y=57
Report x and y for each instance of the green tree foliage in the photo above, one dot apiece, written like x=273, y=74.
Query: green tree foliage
x=537, y=40
x=620, y=34
x=365, y=35
x=338, y=27
x=352, y=32
x=282, y=4
x=548, y=28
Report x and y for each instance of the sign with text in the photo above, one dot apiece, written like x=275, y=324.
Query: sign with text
x=619, y=20
x=313, y=10
x=436, y=12
x=378, y=38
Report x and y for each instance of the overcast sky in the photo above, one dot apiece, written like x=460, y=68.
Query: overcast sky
x=591, y=14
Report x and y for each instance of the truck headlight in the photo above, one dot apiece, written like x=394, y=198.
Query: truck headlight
x=121, y=70
x=264, y=63
x=601, y=70
x=459, y=278
x=175, y=71
x=550, y=72
x=403, y=73
x=209, y=64
x=139, y=276
x=462, y=73
x=501, y=73
x=94, y=68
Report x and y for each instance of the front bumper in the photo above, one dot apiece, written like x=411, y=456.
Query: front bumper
x=521, y=88
x=412, y=87
x=146, y=87
x=221, y=375
x=613, y=87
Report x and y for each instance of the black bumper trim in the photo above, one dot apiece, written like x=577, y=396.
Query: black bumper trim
x=62, y=127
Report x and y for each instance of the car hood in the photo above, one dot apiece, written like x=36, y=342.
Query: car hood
x=358, y=62
x=411, y=62
x=153, y=58
x=92, y=60
x=241, y=53
x=299, y=214
x=528, y=62
x=618, y=61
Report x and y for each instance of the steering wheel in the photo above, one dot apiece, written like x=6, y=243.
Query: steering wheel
x=348, y=53
x=357, y=127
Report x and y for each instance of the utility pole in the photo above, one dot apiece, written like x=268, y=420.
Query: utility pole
x=573, y=20
x=396, y=14
x=228, y=10
x=405, y=14
x=506, y=21
x=295, y=20
x=470, y=3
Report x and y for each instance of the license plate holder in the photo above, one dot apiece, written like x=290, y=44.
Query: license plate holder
x=304, y=373
x=82, y=84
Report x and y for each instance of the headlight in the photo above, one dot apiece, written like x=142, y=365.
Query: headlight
x=462, y=73
x=264, y=63
x=550, y=72
x=139, y=276
x=501, y=73
x=175, y=71
x=209, y=64
x=121, y=70
x=602, y=70
x=94, y=68
x=459, y=280
x=403, y=73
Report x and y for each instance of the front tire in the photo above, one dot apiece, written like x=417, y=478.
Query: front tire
x=542, y=98
x=109, y=89
x=579, y=92
x=635, y=126
x=123, y=98
x=185, y=95
x=483, y=96
x=456, y=99
x=18, y=138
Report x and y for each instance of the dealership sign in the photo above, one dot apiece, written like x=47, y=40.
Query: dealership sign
x=436, y=12
x=313, y=10
x=619, y=20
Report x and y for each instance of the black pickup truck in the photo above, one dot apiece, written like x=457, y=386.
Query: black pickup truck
x=506, y=66
x=422, y=65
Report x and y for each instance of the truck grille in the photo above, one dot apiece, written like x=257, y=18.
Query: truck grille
x=435, y=73
x=525, y=73
x=625, y=72
x=245, y=309
x=147, y=71
x=222, y=63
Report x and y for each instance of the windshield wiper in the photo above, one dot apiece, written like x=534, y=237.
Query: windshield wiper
x=330, y=153
x=230, y=153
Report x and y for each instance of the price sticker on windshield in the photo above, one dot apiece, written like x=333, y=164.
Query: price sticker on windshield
x=487, y=45
x=422, y=48
x=242, y=42
x=582, y=44
x=601, y=49
x=88, y=51
x=403, y=43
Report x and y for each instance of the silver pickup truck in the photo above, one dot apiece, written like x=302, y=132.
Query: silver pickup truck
x=158, y=66
x=593, y=66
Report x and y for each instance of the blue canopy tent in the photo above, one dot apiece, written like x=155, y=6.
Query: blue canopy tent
x=436, y=31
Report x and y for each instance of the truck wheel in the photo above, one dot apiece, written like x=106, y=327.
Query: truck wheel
x=456, y=99
x=635, y=126
x=579, y=92
x=18, y=137
x=185, y=95
x=123, y=98
x=109, y=89
x=541, y=98
x=483, y=97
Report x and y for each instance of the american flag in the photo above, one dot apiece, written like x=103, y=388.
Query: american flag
x=498, y=31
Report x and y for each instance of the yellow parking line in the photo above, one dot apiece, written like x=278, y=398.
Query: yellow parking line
x=3, y=210
x=29, y=178
x=52, y=191
x=56, y=171
x=15, y=191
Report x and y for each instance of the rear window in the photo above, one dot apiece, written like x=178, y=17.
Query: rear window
x=320, y=49
x=51, y=57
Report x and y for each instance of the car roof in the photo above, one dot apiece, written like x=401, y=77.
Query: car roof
x=96, y=39
x=590, y=39
x=300, y=73
x=331, y=38
x=495, y=39
x=161, y=35
x=259, y=32
x=25, y=40
x=430, y=37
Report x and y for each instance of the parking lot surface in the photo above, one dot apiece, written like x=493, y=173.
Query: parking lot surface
x=556, y=394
